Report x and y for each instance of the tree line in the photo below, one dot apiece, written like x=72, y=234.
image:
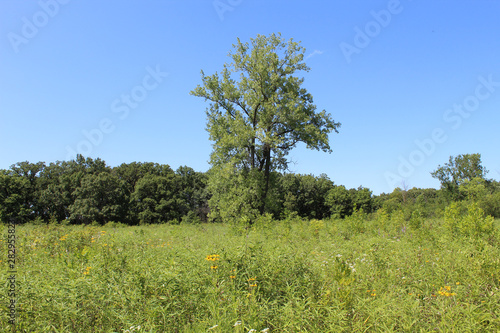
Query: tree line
x=86, y=190
x=258, y=112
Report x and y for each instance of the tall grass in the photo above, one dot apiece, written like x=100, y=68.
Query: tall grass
x=353, y=275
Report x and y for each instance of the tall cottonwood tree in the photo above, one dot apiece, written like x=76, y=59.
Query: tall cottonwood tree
x=258, y=112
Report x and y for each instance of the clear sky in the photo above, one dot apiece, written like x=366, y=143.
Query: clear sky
x=412, y=82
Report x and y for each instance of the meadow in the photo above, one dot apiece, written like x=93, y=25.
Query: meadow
x=360, y=274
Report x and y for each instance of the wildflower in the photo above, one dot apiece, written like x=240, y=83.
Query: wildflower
x=212, y=257
x=253, y=285
x=214, y=267
x=445, y=291
x=265, y=330
x=457, y=283
x=252, y=279
x=232, y=276
x=374, y=294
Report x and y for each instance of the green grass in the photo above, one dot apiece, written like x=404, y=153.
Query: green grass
x=289, y=276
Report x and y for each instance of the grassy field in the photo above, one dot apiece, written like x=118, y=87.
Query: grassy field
x=353, y=275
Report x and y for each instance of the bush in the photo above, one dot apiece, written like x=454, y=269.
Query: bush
x=491, y=204
x=113, y=224
x=316, y=226
x=356, y=221
x=472, y=223
x=190, y=218
x=381, y=218
x=263, y=222
x=398, y=220
x=416, y=219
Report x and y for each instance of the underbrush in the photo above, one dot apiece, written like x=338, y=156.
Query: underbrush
x=360, y=274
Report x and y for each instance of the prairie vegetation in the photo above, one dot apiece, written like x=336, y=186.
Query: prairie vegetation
x=363, y=273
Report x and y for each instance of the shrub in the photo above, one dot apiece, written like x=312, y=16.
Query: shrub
x=263, y=222
x=397, y=219
x=381, y=218
x=316, y=226
x=416, y=219
x=356, y=221
x=491, y=204
x=473, y=223
x=190, y=218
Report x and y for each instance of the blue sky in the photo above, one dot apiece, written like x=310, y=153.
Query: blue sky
x=412, y=82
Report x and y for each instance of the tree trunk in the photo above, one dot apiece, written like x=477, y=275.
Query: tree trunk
x=267, y=173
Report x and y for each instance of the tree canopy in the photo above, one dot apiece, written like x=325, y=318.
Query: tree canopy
x=459, y=170
x=256, y=119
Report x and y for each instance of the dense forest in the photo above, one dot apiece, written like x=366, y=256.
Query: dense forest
x=86, y=190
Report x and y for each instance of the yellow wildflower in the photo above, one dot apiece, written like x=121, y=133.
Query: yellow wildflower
x=87, y=270
x=212, y=257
